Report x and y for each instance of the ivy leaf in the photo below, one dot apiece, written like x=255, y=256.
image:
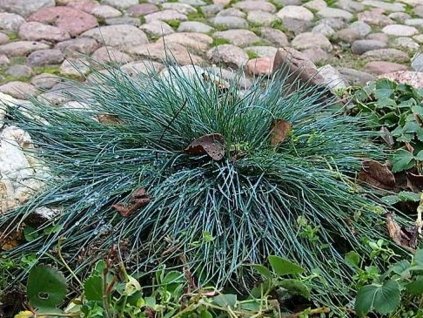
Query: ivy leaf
x=225, y=300
x=402, y=160
x=418, y=257
x=384, y=299
x=353, y=258
x=416, y=287
x=46, y=288
x=264, y=271
x=283, y=267
x=295, y=287
x=93, y=288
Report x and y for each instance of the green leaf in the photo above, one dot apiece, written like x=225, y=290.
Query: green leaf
x=250, y=305
x=416, y=287
x=295, y=287
x=206, y=314
x=417, y=110
x=263, y=270
x=391, y=199
x=419, y=155
x=30, y=233
x=46, y=287
x=353, y=258
x=418, y=257
x=172, y=278
x=225, y=300
x=283, y=267
x=384, y=299
x=402, y=160
x=93, y=288
x=132, y=286
x=400, y=267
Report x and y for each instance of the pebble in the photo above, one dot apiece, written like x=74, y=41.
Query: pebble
x=381, y=67
x=405, y=43
x=22, y=48
x=111, y=55
x=67, y=19
x=251, y=5
x=228, y=54
x=295, y=12
x=260, y=66
x=361, y=28
x=142, y=9
x=198, y=42
x=211, y=9
x=261, y=51
x=165, y=15
x=378, y=36
x=157, y=28
x=45, y=57
x=105, y=11
x=323, y=29
x=123, y=36
x=78, y=46
x=45, y=81
x=179, y=7
x=19, y=71
x=3, y=38
x=332, y=78
x=374, y=17
x=362, y=46
x=25, y=7
x=394, y=7
x=10, y=21
x=414, y=22
x=309, y=40
x=274, y=36
x=229, y=22
x=123, y=20
x=388, y=55
x=262, y=18
x=347, y=35
x=399, y=30
x=350, y=5
x=4, y=60
x=399, y=16
x=418, y=38
x=141, y=67
x=335, y=13
x=316, y=55
x=18, y=89
x=407, y=77
x=417, y=62
x=37, y=31
x=355, y=77
x=194, y=26
x=120, y=4
x=316, y=5
x=240, y=38
x=232, y=12
x=75, y=68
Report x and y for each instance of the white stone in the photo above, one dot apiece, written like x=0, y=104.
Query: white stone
x=332, y=78
x=399, y=30
x=295, y=12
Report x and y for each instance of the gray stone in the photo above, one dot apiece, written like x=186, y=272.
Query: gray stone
x=316, y=5
x=75, y=67
x=417, y=62
x=332, y=78
x=159, y=52
x=228, y=54
x=10, y=21
x=179, y=7
x=18, y=89
x=394, y=7
x=418, y=38
x=78, y=46
x=36, y=31
x=197, y=42
x=378, y=36
x=374, y=17
x=157, y=28
x=4, y=60
x=22, y=48
x=334, y=23
x=309, y=40
x=382, y=67
x=105, y=12
x=399, y=30
x=335, y=13
x=354, y=77
x=232, y=12
x=418, y=10
x=120, y=4
x=389, y=55
x=347, y=35
x=231, y=76
x=123, y=36
x=111, y=55
x=274, y=36
x=238, y=37
x=45, y=81
x=414, y=22
x=361, y=28
x=324, y=29
x=262, y=18
x=296, y=26
x=316, y=55
x=399, y=16
x=142, y=9
x=141, y=67
x=194, y=26
x=362, y=46
x=123, y=20
x=405, y=43
x=3, y=38
x=211, y=10
x=229, y=22
x=414, y=79
x=165, y=15
x=25, y=7
x=295, y=12
x=251, y=5
x=349, y=5
x=19, y=71
x=45, y=57
x=261, y=51
x=194, y=3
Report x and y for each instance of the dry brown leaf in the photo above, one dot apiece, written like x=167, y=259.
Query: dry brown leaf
x=414, y=182
x=138, y=199
x=280, y=130
x=10, y=241
x=212, y=145
x=377, y=175
x=406, y=238
x=109, y=119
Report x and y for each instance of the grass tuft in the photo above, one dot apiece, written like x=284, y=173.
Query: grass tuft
x=213, y=216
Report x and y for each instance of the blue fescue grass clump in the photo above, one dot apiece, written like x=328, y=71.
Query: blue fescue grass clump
x=297, y=199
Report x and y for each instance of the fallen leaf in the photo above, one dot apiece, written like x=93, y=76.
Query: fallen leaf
x=377, y=175
x=212, y=145
x=138, y=199
x=10, y=241
x=280, y=130
x=387, y=136
x=406, y=238
x=109, y=119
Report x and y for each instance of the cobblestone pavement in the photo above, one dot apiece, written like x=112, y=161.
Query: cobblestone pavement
x=42, y=41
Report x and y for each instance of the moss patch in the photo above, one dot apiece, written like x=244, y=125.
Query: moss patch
x=220, y=41
x=174, y=23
